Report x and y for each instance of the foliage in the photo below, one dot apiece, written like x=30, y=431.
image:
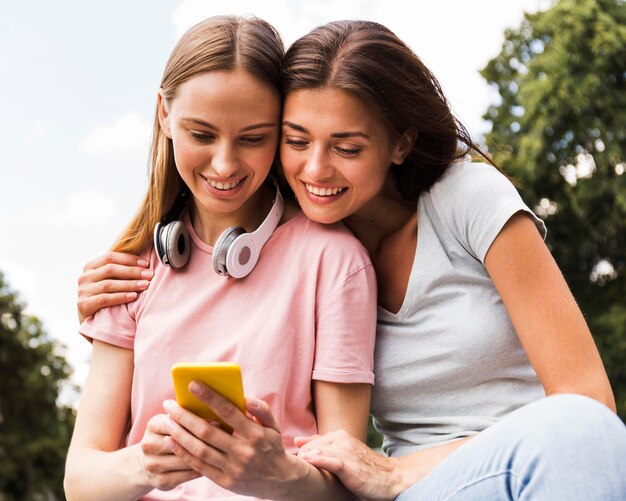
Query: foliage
x=374, y=438
x=559, y=129
x=34, y=429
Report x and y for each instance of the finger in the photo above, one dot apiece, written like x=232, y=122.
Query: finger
x=88, y=306
x=165, y=462
x=173, y=479
x=118, y=258
x=196, y=464
x=317, y=441
x=322, y=460
x=194, y=451
x=300, y=441
x=116, y=272
x=159, y=423
x=168, y=481
x=196, y=434
x=261, y=411
x=222, y=407
x=107, y=286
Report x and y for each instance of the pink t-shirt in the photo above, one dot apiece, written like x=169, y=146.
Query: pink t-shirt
x=307, y=311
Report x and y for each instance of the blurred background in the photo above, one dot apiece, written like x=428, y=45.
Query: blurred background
x=540, y=83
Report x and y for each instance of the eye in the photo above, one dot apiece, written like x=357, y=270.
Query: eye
x=296, y=144
x=252, y=140
x=348, y=152
x=202, y=137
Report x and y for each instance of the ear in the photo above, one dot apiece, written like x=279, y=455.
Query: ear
x=403, y=146
x=163, y=114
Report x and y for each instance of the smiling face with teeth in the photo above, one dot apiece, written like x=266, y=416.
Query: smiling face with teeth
x=335, y=154
x=224, y=127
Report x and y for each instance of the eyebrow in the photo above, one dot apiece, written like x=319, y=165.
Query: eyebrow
x=340, y=135
x=209, y=125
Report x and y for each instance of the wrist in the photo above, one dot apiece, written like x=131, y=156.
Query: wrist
x=135, y=468
x=400, y=478
x=295, y=481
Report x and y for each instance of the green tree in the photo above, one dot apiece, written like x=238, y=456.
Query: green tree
x=34, y=430
x=559, y=128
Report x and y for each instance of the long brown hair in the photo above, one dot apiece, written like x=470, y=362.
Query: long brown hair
x=372, y=63
x=217, y=43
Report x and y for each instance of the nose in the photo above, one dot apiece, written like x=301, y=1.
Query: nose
x=318, y=165
x=225, y=160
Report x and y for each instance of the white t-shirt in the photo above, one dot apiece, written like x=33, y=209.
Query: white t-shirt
x=449, y=363
x=307, y=311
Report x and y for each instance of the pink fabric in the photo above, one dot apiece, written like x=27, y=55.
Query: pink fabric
x=307, y=311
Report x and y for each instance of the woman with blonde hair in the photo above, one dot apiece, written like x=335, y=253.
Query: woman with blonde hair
x=291, y=301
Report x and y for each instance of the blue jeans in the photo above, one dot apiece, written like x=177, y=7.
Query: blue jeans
x=564, y=447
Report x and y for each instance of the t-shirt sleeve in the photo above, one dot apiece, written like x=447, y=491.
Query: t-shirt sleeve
x=475, y=201
x=346, y=318
x=114, y=325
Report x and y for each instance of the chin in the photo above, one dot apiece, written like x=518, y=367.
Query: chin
x=321, y=216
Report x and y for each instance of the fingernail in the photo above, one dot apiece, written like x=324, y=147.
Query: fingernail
x=196, y=388
x=168, y=405
x=146, y=273
x=142, y=284
x=253, y=402
x=131, y=295
x=142, y=262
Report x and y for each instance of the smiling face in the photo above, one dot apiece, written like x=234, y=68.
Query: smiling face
x=224, y=127
x=334, y=152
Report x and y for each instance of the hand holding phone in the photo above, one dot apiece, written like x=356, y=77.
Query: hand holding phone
x=222, y=377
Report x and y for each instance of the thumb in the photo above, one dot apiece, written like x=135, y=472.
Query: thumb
x=262, y=413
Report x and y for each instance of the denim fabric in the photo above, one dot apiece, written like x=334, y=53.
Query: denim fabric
x=564, y=447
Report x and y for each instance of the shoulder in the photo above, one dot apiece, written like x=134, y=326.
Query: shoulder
x=327, y=247
x=465, y=178
x=335, y=235
x=467, y=189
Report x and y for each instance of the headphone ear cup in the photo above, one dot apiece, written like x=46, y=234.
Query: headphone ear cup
x=172, y=244
x=221, y=249
x=158, y=229
x=242, y=256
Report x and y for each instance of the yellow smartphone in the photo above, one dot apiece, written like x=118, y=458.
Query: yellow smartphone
x=223, y=377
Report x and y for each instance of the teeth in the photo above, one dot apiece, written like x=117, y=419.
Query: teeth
x=223, y=186
x=323, y=192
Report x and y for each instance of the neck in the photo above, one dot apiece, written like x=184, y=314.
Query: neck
x=210, y=225
x=381, y=217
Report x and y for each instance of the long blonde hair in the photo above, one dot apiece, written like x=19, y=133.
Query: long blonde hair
x=217, y=43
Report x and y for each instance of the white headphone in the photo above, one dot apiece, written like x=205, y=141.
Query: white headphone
x=235, y=252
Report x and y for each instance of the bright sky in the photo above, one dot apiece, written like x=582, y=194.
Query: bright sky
x=77, y=97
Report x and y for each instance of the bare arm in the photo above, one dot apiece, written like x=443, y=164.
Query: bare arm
x=97, y=468
x=252, y=460
x=545, y=315
x=113, y=278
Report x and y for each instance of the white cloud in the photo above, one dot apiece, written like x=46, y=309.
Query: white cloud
x=85, y=208
x=78, y=210
x=20, y=279
x=129, y=134
x=291, y=19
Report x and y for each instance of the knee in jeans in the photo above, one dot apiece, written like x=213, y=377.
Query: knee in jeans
x=576, y=419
